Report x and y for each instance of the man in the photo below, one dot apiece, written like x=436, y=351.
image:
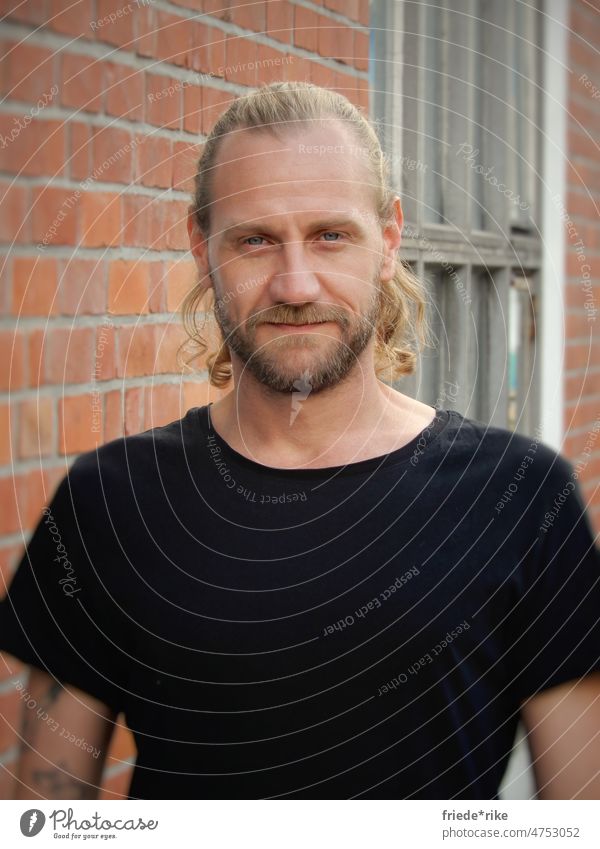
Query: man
x=312, y=588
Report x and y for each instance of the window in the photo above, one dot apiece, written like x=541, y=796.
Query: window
x=456, y=102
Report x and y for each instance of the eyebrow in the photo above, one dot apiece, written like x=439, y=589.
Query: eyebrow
x=239, y=229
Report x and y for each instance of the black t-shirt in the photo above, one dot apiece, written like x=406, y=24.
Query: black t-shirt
x=362, y=631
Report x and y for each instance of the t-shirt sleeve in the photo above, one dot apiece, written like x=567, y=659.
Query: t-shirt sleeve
x=57, y=612
x=556, y=629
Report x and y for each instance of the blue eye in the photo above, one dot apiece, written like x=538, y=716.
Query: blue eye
x=331, y=233
x=250, y=242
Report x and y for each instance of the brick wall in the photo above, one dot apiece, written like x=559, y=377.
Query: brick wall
x=582, y=234
x=105, y=104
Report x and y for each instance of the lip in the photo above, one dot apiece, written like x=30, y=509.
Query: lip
x=296, y=327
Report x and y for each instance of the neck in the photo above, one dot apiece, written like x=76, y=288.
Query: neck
x=359, y=417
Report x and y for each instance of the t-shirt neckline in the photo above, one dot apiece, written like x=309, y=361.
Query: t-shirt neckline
x=415, y=448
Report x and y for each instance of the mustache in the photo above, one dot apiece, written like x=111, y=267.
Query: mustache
x=303, y=314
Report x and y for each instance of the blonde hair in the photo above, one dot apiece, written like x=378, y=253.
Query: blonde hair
x=401, y=327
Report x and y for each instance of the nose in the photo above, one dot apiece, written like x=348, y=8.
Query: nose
x=294, y=279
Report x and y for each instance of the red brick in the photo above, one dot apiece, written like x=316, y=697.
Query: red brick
x=176, y=225
x=583, y=52
x=163, y=101
x=197, y=394
x=76, y=424
x=240, y=60
x=207, y=49
x=32, y=149
x=82, y=288
x=299, y=69
x=145, y=30
x=120, y=31
x=362, y=94
x=137, y=210
x=280, y=20
x=68, y=355
x=335, y=40
x=134, y=410
x=214, y=102
x=185, y=160
x=173, y=38
x=9, y=559
x=154, y=166
x=12, y=360
x=157, y=224
x=580, y=414
x=113, y=154
x=29, y=13
x=71, y=18
x=124, y=88
x=582, y=176
x=10, y=717
x=180, y=278
x=219, y=8
x=36, y=427
x=35, y=359
x=322, y=75
x=581, y=143
x=15, y=221
x=581, y=204
x=80, y=150
x=574, y=266
x=105, y=354
x=7, y=435
x=22, y=498
x=192, y=109
x=361, y=50
x=100, y=219
x=137, y=350
x=363, y=12
x=577, y=324
x=27, y=72
x=251, y=15
x=306, y=29
x=581, y=355
x=586, y=383
x=157, y=288
x=272, y=64
x=162, y=404
x=81, y=82
x=168, y=341
x=34, y=286
x=113, y=420
x=9, y=518
x=128, y=287
x=54, y=216
x=346, y=85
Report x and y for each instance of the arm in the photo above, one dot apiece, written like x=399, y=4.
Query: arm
x=56, y=733
x=563, y=725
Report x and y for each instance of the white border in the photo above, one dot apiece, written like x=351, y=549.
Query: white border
x=554, y=137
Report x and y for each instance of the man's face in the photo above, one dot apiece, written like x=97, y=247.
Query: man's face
x=296, y=255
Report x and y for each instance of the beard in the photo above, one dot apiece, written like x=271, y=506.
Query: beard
x=314, y=360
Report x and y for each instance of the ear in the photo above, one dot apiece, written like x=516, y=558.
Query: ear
x=198, y=244
x=392, y=236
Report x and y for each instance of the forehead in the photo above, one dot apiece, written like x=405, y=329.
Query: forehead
x=310, y=167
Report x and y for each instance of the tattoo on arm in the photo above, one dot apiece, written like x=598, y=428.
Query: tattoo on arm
x=56, y=783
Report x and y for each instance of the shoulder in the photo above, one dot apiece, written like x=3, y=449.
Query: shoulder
x=506, y=452
x=136, y=454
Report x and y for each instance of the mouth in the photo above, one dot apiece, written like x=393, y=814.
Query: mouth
x=297, y=327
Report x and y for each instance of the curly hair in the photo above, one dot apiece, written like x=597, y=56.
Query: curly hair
x=401, y=329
